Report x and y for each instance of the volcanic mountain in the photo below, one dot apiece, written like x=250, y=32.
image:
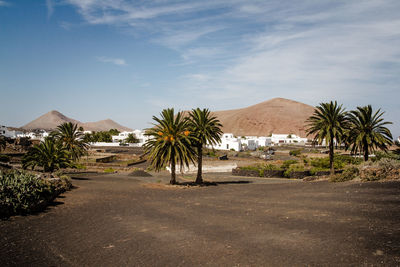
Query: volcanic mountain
x=52, y=119
x=278, y=116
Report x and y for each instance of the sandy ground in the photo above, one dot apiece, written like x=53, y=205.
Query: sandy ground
x=120, y=220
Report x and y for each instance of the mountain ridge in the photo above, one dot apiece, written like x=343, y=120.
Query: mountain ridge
x=53, y=118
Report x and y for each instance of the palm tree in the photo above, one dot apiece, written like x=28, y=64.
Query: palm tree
x=131, y=139
x=50, y=154
x=169, y=142
x=367, y=131
x=328, y=123
x=72, y=139
x=205, y=129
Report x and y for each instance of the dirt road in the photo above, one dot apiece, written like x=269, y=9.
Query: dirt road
x=116, y=220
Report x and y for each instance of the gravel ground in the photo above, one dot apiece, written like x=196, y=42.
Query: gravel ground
x=119, y=220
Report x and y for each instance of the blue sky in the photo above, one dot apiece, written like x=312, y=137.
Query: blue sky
x=126, y=60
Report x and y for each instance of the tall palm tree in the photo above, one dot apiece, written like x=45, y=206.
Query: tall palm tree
x=72, y=139
x=367, y=131
x=50, y=154
x=169, y=142
x=206, y=129
x=328, y=123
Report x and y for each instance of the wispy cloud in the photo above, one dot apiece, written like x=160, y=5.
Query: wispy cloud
x=4, y=3
x=50, y=8
x=307, y=50
x=116, y=61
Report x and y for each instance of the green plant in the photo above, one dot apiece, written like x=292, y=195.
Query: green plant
x=367, y=131
x=204, y=129
x=286, y=164
x=349, y=173
x=324, y=163
x=169, y=142
x=131, y=139
x=79, y=166
x=22, y=192
x=314, y=170
x=295, y=152
x=71, y=138
x=109, y=170
x=49, y=154
x=328, y=123
x=293, y=168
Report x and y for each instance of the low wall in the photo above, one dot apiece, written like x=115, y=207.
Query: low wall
x=206, y=168
x=107, y=159
x=278, y=173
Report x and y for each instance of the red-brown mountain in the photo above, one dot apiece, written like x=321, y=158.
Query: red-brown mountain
x=52, y=119
x=278, y=115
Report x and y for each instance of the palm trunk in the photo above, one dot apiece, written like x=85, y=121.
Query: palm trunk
x=199, y=178
x=173, y=176
x=366, y=152
x=331, y=159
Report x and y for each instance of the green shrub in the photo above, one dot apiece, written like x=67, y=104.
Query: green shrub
x=323, y=163
x=349, y=173
x=22, y=192
x=80, y=166
x=383, y=169
x=4, y=158
x=286, y=164
x=295, y=152
x=385, y=155
x=109, y=170
x=293, y=168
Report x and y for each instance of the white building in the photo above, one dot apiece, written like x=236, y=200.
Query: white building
x=139, y=134
x=279, y=139
x=7, y=133
x=228, y=142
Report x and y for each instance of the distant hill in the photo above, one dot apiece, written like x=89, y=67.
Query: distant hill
x=278, y=115
x=52, y=119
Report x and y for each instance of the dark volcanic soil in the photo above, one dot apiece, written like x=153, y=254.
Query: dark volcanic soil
x=115, y=220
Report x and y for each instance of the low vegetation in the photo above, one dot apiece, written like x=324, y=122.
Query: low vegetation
x=23, y=192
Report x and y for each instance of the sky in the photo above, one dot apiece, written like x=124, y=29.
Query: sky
x=127, y=60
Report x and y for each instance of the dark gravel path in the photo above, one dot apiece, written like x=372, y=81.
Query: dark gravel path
x=118, y=220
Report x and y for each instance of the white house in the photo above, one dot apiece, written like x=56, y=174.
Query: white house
x=120, y=137
x=7, y=133
x=228, y=142
x=139, y=134
x=287, y=139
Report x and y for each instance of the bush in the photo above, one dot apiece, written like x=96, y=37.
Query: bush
x=323, y=163
x=4, y=158
x=293, y=168
x=385, y=155
x=286, y=164
x=22, y=192
x=349, y=173
x=295, y=152
x=382, y=169
x=109, y=170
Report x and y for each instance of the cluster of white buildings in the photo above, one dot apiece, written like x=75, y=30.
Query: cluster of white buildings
x=39, y=135
x=232, y=142
x=228, y=140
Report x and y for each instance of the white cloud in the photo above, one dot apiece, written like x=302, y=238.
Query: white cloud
x=4, y=3
x=244, y=52
x=116, y=61
x=50, y=8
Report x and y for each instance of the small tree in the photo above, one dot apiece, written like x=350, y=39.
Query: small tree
x=131, y=139
x=328, y=123
x=3, y=142
x=169, y=142
x=205, y=129
x=50, y=154
x=367, y=131
x=72, y=139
